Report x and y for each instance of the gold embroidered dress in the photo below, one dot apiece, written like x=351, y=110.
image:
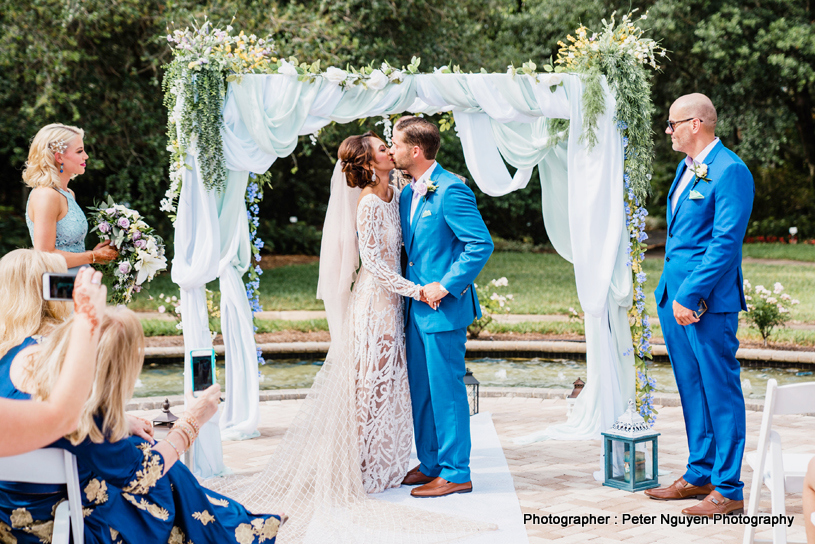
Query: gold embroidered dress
x=125, y=498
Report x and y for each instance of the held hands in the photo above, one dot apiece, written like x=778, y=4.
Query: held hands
x=434, y=292
x=104, y=252
x=683, y=315
x=434, y=305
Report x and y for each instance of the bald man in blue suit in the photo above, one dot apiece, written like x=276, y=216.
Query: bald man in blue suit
x=699, y=297
x=447, y=245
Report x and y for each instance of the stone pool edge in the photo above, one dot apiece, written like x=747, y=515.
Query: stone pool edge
x=660, y=399
x=503, y=348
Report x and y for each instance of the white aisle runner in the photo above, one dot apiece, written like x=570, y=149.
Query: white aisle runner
x=493, y=499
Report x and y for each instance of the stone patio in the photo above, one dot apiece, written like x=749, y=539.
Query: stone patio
x=555, y=477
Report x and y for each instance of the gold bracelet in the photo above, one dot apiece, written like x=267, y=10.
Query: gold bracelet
x=189, y=418
x=93, y=258
x=167, y=439
x=184, y=427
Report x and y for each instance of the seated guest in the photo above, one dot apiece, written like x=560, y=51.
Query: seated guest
x=132, y=491
x=23, y=314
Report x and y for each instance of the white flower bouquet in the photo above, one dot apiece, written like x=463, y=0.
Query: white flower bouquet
x=141, y=251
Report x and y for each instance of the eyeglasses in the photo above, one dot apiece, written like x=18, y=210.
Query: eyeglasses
x=672, y=124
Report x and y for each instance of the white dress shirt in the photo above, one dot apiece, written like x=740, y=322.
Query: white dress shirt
x=416, y=196
x=688, y=175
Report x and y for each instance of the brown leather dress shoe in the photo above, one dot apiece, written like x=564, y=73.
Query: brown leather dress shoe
x=415, y=477
x=680, y=489
x=441, y=487
x=714, y=504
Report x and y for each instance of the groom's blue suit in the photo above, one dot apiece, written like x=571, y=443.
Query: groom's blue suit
x=446, y=242
x=703, y=262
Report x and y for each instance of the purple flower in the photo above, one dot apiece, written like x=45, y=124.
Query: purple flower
x=123, y=222
x=420, y=188
x=140, y=243
x=136, y=288
x=124, y=267
x=104, y=226
x=136, y=235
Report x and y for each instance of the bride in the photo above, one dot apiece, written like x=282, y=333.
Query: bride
x=354, y=432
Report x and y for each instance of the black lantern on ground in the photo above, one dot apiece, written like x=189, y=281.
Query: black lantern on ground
x=472, y=391
x=166, y=418
x=631, y=455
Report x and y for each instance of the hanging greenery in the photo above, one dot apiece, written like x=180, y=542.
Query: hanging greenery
x=205, y=59
x=621, y=54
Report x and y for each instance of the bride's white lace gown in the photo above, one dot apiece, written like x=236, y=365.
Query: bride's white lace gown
x=376, y=323
x=353, y=434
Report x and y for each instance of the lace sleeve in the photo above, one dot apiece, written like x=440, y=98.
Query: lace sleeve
x=370, y=227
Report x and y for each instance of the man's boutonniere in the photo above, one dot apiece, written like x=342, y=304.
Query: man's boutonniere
x=423, y=188
x=700, y=171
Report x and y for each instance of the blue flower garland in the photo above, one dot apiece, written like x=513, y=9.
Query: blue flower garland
x=254, y=194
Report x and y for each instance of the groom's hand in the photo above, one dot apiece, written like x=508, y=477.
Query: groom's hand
x=423, y=298
x=684, y=316
x=434, y=292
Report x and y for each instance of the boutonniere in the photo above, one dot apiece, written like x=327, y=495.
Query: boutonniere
x=700, y=171
x=423, y=188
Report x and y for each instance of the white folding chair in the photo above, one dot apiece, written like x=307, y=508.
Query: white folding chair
x=781, y=472
x=51, y=466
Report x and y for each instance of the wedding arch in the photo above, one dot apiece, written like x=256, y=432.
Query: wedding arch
x=583, y=123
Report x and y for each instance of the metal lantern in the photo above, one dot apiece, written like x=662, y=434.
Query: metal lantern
x=166, y=418
x=578, y=387
x=631, y=454
x=472, y=391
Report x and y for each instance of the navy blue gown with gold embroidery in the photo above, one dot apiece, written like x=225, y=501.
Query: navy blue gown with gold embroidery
x=125, y=498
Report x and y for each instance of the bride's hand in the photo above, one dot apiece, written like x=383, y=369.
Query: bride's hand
x=423, y=298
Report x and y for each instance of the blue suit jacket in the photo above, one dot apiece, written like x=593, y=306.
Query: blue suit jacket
x=448, y=242
x=705, y=235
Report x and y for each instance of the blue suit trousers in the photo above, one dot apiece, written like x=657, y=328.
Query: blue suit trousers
x=441, y=414
x=703, y=356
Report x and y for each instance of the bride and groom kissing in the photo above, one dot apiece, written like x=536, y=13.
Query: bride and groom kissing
x=396, y=362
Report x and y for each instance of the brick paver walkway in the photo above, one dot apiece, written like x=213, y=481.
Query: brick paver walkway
x=555, y=477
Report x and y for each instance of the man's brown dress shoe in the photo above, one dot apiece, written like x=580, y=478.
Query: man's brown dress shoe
x=441, y=487
x=713, y=504
x=680, y=489
x=415, y=477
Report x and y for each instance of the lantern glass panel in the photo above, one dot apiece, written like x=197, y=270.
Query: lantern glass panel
x=644, y=454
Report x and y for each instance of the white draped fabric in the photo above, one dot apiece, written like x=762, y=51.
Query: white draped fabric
x=498, y=118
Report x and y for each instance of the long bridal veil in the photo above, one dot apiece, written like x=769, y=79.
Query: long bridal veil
x=314, y=475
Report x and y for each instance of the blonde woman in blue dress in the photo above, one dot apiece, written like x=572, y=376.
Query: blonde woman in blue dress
x=55, y=221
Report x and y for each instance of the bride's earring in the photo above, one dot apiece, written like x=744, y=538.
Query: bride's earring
x=60, y=168
x=373, y=176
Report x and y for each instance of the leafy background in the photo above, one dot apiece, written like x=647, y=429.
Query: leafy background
x=98, y=64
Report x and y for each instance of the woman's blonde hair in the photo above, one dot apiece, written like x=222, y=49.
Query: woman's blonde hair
x=119, y=358
x=23, y=311
x=41, y=168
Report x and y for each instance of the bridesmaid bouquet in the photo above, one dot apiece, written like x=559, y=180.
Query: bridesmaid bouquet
x=141, y=252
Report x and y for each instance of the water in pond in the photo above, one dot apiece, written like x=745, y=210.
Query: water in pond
x=165, y=379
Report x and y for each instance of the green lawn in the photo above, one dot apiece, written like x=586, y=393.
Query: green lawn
x=797, y=252
x=542, y=283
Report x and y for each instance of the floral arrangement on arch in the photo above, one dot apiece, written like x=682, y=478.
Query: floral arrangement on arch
x=141, y=251
x=767, y=309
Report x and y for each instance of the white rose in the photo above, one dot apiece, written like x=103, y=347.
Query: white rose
x=287, y=69
x=550, y=79
x=396, y=75
x=377, y=80
x=335, y=75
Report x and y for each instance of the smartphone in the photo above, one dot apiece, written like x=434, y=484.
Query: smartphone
x=203, y=369
x=700, y=311
x=58, y=286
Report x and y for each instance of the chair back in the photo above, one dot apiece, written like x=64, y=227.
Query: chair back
x=49, y=466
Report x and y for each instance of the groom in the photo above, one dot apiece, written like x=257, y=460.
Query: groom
x=447, y=245
x=699, y=297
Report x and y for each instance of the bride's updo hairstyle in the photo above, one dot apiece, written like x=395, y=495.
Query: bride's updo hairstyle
x=356, y=154
x=41, y=168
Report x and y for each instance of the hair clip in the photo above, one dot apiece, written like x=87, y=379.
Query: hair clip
x=58, y=146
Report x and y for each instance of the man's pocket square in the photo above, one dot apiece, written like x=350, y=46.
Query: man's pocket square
x=696, y=195
x=426, y=213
